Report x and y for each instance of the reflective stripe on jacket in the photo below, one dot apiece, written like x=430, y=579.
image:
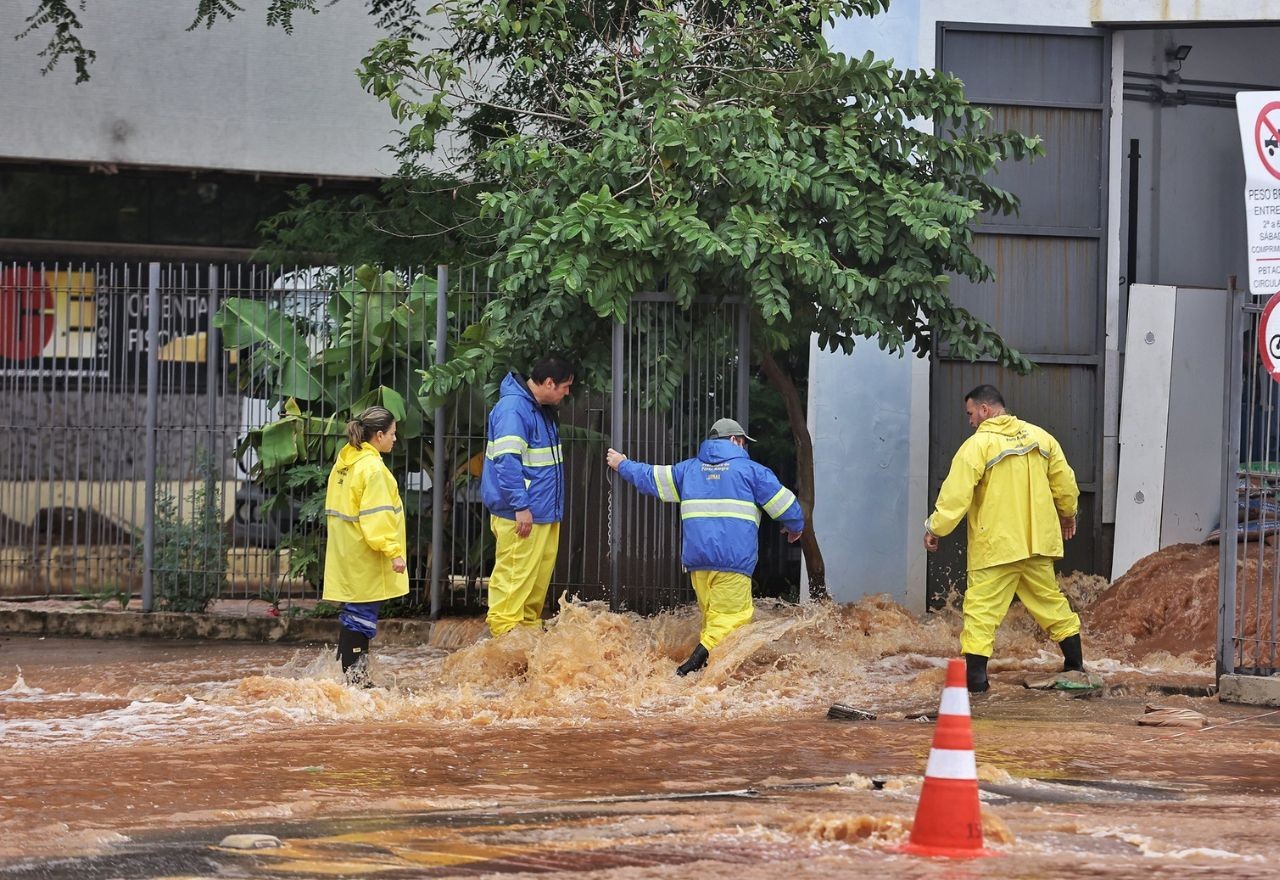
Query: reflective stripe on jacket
x=523, y=467
x=720, y=493
x=1011, y=482
x=365, y=521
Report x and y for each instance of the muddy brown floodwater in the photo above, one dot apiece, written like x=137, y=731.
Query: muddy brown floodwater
x=576, y=752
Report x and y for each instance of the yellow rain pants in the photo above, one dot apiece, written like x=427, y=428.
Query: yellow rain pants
x=990, y=590
x=725, y=600
x=521, y=574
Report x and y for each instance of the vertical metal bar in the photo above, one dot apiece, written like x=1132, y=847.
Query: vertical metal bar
x=744, y=366
x=149, y=439
x=438, y=476
x=211, y=363
x=615, y=489
x=1230, y=478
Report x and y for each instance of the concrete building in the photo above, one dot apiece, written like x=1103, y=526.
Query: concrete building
x=1141, y=185
x=182, y=140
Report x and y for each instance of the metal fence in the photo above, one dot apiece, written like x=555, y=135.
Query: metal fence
x=1249, y=565
x=125, y=468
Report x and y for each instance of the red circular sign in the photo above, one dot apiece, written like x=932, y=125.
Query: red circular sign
x=1266, y=137
x=1269, y=337
x=27, y=318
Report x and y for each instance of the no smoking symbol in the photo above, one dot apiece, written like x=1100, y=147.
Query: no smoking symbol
x=1266, y=138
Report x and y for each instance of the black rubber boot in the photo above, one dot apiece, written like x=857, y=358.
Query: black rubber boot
x=696, y=661
x=353, y=653
x=975, y=673
x=1072, y=654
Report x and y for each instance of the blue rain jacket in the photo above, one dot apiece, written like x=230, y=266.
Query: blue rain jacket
x=523, y=466
x=720, y=494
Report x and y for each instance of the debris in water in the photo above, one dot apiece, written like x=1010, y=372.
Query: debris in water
x=844, y=712
x=1171, y=716
x=1065, y=681
x=250, y=841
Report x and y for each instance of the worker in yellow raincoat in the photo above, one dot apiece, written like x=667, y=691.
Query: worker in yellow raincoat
x=1013, y=485
x=364, y=563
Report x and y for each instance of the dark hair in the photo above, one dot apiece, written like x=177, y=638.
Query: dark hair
x=988, y=394
x=553, y=366
x=368, y=423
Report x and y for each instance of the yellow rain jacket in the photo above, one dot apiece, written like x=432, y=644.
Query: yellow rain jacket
x=366, y=529
x=1013, y=482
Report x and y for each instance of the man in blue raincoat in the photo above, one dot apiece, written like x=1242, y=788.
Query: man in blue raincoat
x=720, y=494
x=522, y=486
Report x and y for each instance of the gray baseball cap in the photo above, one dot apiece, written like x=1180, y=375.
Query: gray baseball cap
x=725, y=428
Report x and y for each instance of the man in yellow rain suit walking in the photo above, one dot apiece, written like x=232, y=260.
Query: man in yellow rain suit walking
x=721, y=493
x=1013, y=485
x=523, y=488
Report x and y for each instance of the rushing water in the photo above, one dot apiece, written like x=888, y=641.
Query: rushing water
x=576, y=750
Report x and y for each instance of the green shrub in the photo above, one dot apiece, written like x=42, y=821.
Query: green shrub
x=190, y=567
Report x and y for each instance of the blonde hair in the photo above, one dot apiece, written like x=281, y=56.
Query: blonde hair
x=368, y=423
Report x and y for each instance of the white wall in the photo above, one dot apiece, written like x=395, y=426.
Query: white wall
x=869, y=414
x=241, y=96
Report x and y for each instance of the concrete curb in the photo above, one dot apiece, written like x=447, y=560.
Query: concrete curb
x=1254, y=690
x=170, y=625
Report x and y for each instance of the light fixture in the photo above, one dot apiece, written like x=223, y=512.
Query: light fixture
x=1177, y=53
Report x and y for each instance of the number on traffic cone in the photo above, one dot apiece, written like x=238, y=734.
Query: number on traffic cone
x=948, y=818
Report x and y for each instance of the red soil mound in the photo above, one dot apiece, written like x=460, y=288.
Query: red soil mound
x=1168, y=601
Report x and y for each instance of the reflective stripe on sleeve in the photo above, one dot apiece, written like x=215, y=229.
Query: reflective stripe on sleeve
x=508, y=445
x=664, y=476
x=778, y=504
x=349, y=518
x=720, y=507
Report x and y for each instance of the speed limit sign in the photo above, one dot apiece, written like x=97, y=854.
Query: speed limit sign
x=1269, y=337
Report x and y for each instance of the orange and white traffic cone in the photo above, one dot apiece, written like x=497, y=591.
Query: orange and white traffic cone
x=948, y=818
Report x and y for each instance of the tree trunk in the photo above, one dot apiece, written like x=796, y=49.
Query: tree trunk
x=782, y=382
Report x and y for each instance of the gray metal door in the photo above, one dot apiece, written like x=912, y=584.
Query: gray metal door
x=1048, y=298
x=1249, y=557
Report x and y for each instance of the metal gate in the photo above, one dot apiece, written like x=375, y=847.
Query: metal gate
x=690, y=368
x=123, y=416
x=1249, y=559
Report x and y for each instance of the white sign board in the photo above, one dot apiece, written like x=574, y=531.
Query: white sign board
x=1259, y=117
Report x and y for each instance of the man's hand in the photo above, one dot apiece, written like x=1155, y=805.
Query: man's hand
x=524, y=523
x=614, y=458
x=930, y=541
x=1068, y=527
x=397, y=564
x=792, y=537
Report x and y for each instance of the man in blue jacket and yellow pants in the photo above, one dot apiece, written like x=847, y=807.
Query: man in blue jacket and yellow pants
x=720, y=495
x=1014, y=486
x=522, y=485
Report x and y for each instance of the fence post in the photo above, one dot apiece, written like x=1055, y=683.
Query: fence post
x=438, y=473
x=615, y=487
x=1227, y=533
x=153, y=408
x=211, y=366
x=743, y=403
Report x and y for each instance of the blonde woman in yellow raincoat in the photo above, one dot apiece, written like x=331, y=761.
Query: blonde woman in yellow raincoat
x=364, y=562
x=1012, y=483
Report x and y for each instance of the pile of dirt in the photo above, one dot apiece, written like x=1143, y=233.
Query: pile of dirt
x=1168, y=602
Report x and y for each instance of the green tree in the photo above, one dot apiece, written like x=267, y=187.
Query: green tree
x=708, y=148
